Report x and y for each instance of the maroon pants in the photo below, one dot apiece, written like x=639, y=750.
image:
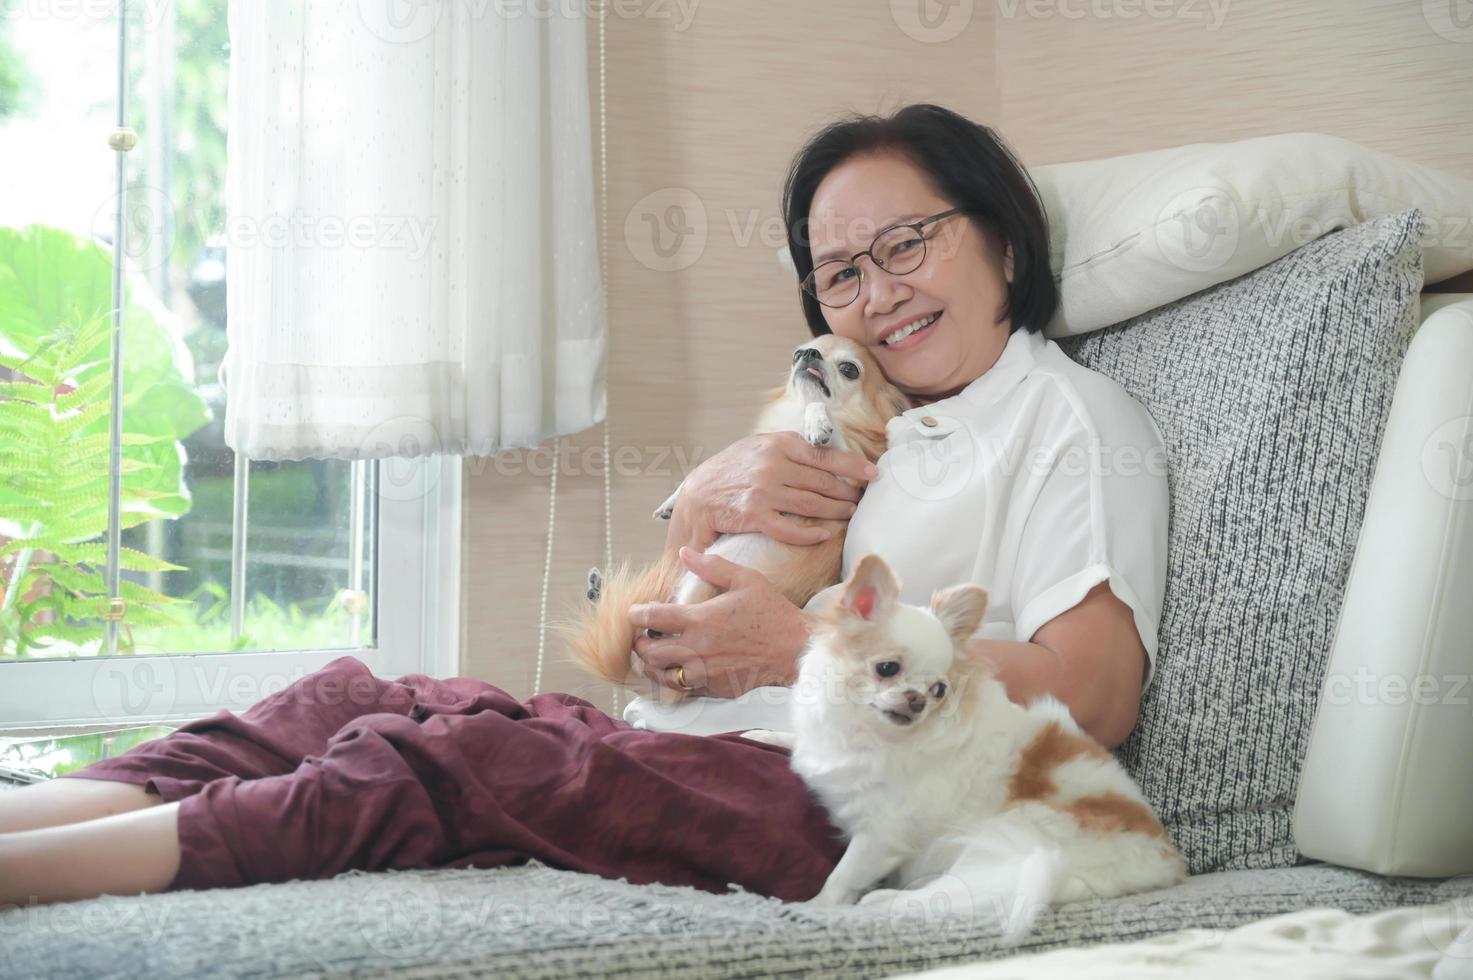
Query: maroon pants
x=342, y=770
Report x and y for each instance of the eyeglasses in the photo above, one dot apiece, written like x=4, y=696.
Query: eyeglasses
x=898, y=250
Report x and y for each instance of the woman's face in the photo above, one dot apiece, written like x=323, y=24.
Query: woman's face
x=964, y=277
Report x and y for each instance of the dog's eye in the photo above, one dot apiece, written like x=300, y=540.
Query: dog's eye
x=938, y=689
x=849, y=369
x=887, y=668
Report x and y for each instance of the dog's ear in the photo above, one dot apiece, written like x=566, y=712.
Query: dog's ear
x=871, y=590
x=960, y=609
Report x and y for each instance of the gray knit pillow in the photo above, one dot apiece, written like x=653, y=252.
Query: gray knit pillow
x=1271, y=392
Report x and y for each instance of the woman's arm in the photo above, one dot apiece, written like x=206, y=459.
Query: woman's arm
x=1089, y=657
x=748, y=636
x=753, y=484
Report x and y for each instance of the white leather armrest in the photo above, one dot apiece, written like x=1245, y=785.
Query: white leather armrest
x=1387, y=783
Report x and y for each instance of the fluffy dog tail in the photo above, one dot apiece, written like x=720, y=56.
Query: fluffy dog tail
x=599, y=637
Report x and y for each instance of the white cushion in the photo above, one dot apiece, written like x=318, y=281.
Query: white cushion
x=1131, y=233
x=1386, y=783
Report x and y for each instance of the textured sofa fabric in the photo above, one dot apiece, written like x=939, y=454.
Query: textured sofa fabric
x=536, y=922
x=1271, y=392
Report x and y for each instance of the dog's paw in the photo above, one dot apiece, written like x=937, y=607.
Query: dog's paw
x=831, y=897
x=783, y=740
x=818, y=428
x=595, y=584
x=881, y=897
x=664, y=511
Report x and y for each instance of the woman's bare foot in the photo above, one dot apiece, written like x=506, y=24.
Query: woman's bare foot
x=71, y=800
x=125, y=854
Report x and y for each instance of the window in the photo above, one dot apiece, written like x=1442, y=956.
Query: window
x=239, y=576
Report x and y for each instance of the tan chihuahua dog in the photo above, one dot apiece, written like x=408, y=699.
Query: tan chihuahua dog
x=835, y=396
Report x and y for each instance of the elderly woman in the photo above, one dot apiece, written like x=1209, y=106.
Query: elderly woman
x=917, y=235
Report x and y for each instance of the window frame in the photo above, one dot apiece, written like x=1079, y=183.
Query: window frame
x=417, y=616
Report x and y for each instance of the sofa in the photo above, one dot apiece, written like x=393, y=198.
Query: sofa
x=1381, y=818
x=1380, y=790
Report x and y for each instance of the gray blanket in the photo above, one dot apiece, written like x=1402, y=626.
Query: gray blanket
x=534, y=921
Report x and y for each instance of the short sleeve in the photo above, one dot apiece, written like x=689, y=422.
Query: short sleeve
x=1099, y=514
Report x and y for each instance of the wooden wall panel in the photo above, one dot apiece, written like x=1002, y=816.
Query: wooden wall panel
x=705, y=115
x=1373, y=71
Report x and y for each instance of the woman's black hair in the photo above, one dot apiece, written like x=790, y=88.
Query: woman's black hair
x=968, y=165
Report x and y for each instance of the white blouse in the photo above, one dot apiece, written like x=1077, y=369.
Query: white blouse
x=1037, y=481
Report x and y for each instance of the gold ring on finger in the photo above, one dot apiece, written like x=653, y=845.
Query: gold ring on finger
x=680, y=678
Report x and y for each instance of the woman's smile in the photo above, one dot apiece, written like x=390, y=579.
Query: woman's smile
x=911, y=336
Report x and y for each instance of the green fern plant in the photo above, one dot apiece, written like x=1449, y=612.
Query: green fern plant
x=55, y=340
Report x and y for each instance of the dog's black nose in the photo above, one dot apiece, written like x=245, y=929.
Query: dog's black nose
x=916, y=701
x=809, y=354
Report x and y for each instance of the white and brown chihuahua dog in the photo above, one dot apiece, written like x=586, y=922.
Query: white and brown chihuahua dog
x=836, y=396
x=945, y=787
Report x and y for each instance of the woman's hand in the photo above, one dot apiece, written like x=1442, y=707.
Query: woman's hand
x=749, y=636
x=752, y=483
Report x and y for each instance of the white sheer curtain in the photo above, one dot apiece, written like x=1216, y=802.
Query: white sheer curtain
x=412, y=253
